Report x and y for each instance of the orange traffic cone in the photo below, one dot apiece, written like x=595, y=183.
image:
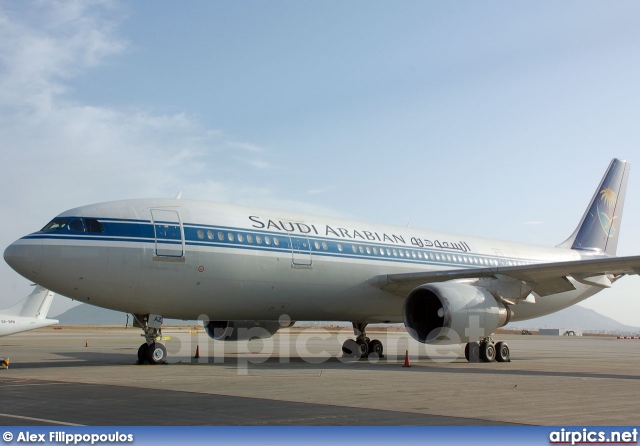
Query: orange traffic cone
x=406, y=359
x=197, y=352
x=86, y=343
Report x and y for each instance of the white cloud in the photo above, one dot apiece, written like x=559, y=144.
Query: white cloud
x=58, y=153
x=246, y=146
x=319, y=190
x=46, y=45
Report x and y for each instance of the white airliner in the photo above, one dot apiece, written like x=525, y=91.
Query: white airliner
x=240, y=268
x=28, y=314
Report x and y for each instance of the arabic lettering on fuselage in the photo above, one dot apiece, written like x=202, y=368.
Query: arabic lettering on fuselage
x=353, y=234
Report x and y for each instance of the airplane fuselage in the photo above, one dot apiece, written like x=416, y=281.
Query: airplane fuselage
x=190, y=259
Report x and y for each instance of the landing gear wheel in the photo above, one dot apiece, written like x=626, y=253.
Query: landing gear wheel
x=142, y=353
x=363, y=348
x=350, y=348
x=156, y=353
x=376, y=347
x=487, y=352
x=472, y=352
x=502, y=352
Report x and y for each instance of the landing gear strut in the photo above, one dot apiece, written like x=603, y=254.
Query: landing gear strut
x=487, y=351
x=151, y=351
x=362, y=346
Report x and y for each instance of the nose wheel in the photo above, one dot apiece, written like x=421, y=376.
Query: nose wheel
x=151, y=352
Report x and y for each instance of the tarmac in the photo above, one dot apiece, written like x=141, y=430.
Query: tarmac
x=88, y=376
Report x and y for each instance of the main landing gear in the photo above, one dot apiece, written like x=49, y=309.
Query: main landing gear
x=151, y=351
x=487, y=351
x=362, y=346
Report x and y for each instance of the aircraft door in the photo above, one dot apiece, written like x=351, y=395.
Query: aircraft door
x=300, y=251
x=500, y=256
x=169, y=234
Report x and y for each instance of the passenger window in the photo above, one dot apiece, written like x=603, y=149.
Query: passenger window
x=231, y=237
x=267, y=240
x=276, y=241
x=221, y=236
x=325, y=246
x=210, y=235
x=249, y=238
x=258, y=240
x=240, y=238
x=201, y=234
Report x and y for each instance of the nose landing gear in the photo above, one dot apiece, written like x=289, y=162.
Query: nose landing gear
x=151, y=351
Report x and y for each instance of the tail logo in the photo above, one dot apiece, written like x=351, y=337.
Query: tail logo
x=608, y=198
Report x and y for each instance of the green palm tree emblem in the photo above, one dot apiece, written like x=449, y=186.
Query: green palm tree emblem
x=609, y=199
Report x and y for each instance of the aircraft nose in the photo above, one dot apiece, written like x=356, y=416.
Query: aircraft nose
x=25, y=257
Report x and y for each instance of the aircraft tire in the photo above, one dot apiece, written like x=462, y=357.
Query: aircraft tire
x=502, y=352
x=156, y=353
x=350, y=348
x=487, y=352
x=376, y=347
x=364, y=348
x=142, y=353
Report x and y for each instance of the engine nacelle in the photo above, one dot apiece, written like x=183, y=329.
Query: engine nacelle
x=452, y=313
x=241, y=330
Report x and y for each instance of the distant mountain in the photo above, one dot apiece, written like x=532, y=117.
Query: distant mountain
x=576, y=318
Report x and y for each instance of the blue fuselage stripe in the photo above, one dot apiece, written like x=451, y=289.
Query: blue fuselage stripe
x=138, y=231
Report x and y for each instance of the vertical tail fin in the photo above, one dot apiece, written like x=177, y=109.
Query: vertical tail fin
x=34, y=305
x=600, y=226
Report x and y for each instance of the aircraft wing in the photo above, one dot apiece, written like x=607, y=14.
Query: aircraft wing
x=543, y=278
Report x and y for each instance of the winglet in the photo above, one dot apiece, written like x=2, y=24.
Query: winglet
x=600, y=226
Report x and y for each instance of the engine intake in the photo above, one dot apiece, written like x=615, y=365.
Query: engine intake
x=452, y=313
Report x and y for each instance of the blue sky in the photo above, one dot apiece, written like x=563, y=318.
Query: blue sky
x=493, y=118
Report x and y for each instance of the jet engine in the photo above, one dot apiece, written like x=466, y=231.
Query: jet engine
x=241, y=330
x=452, y=313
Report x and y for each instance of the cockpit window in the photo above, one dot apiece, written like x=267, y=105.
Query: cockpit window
x=76, y=225
x=56, y=224
x=93, y=225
